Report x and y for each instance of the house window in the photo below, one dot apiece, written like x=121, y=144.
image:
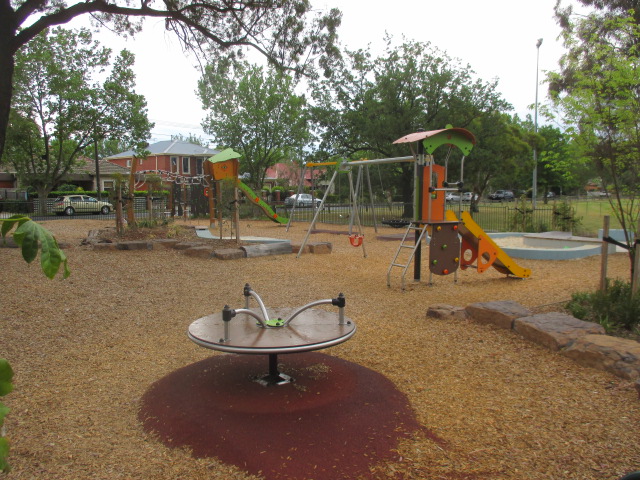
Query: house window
x=174, y=164
x=185, y=165
x=199, y=169
x=140, y=161
x=108, y=185
x=129, y=163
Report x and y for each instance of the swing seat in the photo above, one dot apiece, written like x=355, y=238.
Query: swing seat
x=356, y=240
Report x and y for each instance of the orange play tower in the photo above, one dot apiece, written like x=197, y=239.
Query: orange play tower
x=452, y=242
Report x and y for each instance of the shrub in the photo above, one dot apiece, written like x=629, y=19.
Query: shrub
x=564, y=217
x=614, y=309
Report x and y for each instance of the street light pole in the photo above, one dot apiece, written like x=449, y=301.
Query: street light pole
x=534, y=190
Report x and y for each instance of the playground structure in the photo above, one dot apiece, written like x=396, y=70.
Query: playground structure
x=276, y=331
x=454, y=243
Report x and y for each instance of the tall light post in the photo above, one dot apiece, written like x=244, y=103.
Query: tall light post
x=534, y=190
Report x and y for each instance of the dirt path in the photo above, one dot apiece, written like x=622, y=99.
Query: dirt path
x=85, y=350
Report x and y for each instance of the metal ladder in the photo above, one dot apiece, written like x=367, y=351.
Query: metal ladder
x=409, y=248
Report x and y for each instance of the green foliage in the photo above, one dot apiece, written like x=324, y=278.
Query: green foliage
x=522, y=217
x=597, y=94
x=614, y=309
x=256, y=112
x=564, y=217
x=6, y=374
x=152, y=222
x=369, y=102
x=68, y=187
x=32, y=237
x=59, y=108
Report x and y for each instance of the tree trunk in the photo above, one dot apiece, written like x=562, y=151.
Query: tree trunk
x=43, y=193
x=7, y=65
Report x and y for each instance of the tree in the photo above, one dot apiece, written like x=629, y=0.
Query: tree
x=281, y=30
x=601, y=103
x=256, y=111
x=367, y=103
x=503, y=150
x=59, y=110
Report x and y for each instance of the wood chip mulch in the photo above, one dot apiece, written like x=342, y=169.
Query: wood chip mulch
x=86, y=351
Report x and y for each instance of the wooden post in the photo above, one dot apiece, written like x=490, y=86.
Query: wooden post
x=604, y=253
x=635, y=278
x=219, y=202
x=131, y=216
x=184, y=202
x=236, y=214
x=211, y=187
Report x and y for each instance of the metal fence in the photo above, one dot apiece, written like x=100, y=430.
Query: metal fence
x=499, y=217
x=31, y=208
x=492, y=217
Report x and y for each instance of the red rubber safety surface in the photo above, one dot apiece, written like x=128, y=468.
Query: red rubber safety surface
x=332, y=422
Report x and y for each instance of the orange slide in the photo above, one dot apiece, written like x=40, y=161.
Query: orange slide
x=483, y=249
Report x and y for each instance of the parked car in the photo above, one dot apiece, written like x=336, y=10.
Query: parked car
x=304, y=200
x=452, y=197
x=467, y=196
x=502, y=195
x=551, y=195
x=72, y=204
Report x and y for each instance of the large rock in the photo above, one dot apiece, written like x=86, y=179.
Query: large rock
x=501, y=314
x=263, y=249
x=554, y=330
x=320, y=247
x=165, y=242
x=185, y=245
x=200, y=252
x=619, y=356
x=444, y=311
x=135, y=245
x=228, y=253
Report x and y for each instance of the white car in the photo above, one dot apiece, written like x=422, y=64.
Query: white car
x=452, y=197
x=304, y=200
x=467, y=196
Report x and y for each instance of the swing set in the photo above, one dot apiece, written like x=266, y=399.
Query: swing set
x=356, y=239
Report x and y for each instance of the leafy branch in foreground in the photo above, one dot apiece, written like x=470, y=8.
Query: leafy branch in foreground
x=31, y=237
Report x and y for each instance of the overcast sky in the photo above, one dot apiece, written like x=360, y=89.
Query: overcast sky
x=496, y=37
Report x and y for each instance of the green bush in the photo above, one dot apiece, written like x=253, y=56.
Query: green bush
x=614, y=309
x=564, y=217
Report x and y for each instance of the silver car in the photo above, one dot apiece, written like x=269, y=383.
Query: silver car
x=72, y=204
x=304, y=200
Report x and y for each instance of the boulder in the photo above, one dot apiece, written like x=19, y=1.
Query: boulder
x=199, y=252
x=295, y=248
x=135, y=245
x=320, y=247
x=444, y=311
x=263, y=249
x=501, y=313
x=105, y=246
x=554, y=330
x=228, y=253
x=165, y=242
x=185, y=245
x=619, y=356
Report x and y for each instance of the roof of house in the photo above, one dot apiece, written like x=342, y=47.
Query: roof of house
x=106, y=167
x=170, y=147
x=288, y=171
